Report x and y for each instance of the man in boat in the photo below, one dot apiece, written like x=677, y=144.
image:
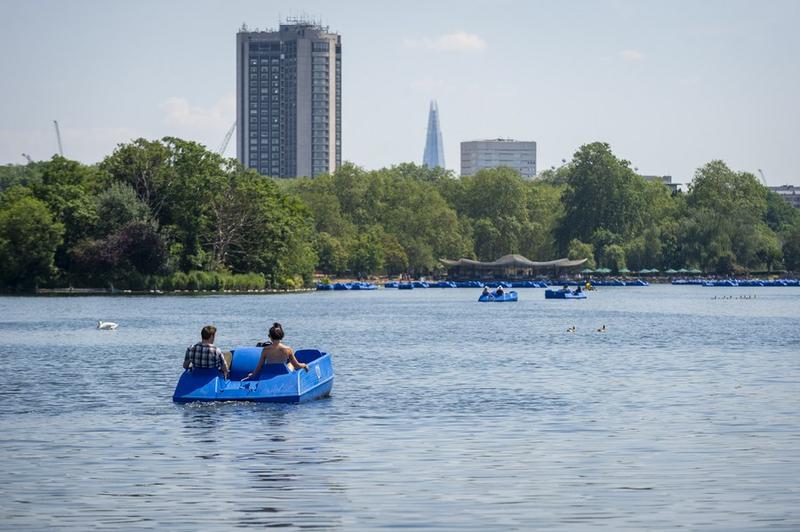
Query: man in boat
x=205, y=354
x=499, y=290
x=485, y=291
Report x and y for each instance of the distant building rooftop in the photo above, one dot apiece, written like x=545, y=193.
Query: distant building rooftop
x=790, y=193
x=666, y=179
x=498, y=140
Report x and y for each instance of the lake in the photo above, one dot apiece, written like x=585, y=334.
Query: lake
x=446, y=413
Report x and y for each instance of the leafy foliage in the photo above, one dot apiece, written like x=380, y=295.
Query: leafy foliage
x=169, y=214
x=29, y=238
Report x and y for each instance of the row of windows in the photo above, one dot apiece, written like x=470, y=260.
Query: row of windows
x=264, y=78
x=265, y=46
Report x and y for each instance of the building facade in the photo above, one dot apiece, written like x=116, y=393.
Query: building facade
x=434, y=147
x=666, y=180
x=289, y=100
x=790, y=193
x=479, y=154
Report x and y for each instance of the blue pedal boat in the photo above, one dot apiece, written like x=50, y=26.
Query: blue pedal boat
x=494, y=298
x=563, y=294
x=275, y=383
x=363, y=286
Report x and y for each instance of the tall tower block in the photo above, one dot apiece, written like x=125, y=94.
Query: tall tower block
x=289, y=99
x=434, y=148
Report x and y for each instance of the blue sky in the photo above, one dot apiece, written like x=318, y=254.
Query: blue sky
x=670, y=85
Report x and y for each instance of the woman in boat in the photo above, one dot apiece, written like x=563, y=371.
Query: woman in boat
x=277, y=353
x=485, y=291
x=499, y=291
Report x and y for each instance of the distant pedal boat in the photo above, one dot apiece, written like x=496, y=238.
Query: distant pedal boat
x=563, y=294
x=492, y=297
x=275, y=383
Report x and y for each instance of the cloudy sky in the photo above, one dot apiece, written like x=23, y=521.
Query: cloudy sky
x=670, y=85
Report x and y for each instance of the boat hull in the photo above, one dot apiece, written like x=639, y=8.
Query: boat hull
x=275, y=384
x=508, y=297
x=560, y=294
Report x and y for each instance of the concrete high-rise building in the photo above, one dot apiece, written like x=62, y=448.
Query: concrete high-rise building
x=289, y=99
x=790, y=193
x=479, y=154
x=434, y=148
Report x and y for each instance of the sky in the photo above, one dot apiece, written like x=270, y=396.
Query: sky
x=670, y=85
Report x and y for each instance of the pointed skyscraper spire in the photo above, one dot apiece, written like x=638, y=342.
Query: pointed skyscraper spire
x=434, y=148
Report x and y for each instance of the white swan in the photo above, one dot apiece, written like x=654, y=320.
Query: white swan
x=107, y=325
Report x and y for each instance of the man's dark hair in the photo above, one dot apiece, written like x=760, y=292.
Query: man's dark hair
x=207, y=332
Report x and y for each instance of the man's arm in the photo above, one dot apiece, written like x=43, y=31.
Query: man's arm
x=186, y=359
x=223, y=363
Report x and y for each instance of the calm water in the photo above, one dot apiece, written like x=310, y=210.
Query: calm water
x=446, y=413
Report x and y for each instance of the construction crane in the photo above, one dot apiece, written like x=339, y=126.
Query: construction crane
x=58, y=137
x=764, y=179
x=227, y=139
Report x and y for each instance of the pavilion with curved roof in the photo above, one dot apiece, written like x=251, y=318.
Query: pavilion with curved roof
x=507, y=267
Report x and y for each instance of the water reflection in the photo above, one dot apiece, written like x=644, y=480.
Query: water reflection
x=278, y=454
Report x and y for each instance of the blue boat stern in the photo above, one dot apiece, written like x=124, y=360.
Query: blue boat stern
x=275, y=383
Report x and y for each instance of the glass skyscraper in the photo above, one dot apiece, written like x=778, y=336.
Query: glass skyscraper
x=289, y=100
x=434, y=149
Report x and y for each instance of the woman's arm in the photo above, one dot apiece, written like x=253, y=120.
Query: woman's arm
x=296, y=363
x=259, y=365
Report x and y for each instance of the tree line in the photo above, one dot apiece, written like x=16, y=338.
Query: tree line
x=171, y=214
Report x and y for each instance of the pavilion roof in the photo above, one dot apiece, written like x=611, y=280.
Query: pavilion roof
x=514, y=261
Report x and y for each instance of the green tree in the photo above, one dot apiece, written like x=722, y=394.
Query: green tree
x=118, y=206
x=488, y=240
x=332, y=253
x=791, y=249
x=602, y=192
x=544, y=214
x=67, y=188
x=29, y=238
x=581, y=250
x=614, y=257
x=780, y=216
x=395, y=257
x=366, y=257
x=725, y=213
x=644, y=251
x=768, y=246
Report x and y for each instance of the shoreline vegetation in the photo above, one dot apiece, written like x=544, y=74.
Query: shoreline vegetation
x=169, y=215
